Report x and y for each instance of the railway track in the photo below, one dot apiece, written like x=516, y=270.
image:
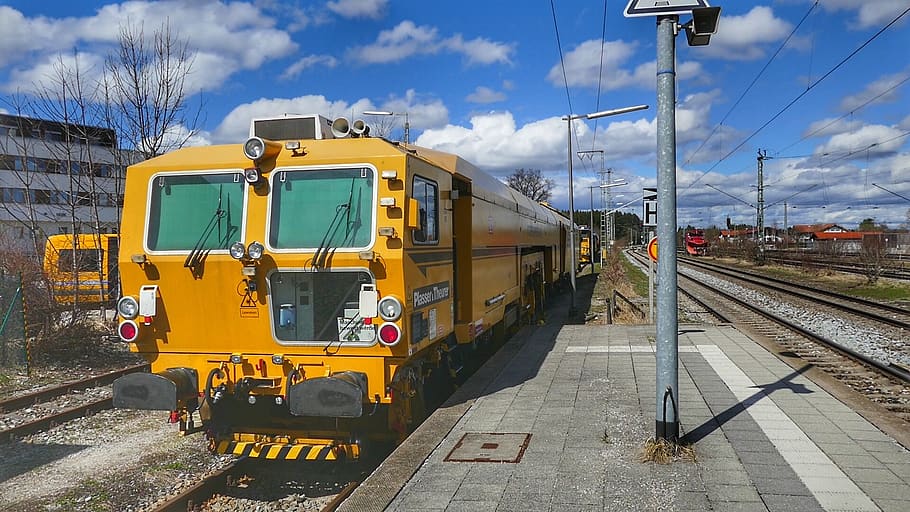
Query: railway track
x=885, y=382
x=246, y=480
x=890, y=267
x=46, y=408
x=896, y=316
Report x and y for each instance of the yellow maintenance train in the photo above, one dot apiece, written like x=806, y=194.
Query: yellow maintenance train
x=315, y=288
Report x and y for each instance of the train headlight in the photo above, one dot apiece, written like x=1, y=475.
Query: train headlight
x=128, y=330
x=389, y=334
x=390, y=308
x=128, y=307
x=252, y=175
x=237, y=250
x=254, y=148
x=254, y=250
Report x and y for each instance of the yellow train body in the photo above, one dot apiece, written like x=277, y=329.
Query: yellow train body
x=365, y=270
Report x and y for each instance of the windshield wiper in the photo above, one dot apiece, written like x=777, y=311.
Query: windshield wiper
x=332, y=319
x=322, y=252
x=197, y=254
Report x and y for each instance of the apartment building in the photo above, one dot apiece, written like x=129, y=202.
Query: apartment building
x=54, y=176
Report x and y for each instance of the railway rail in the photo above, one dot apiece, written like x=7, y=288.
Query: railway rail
x=232, y=483
x=37, y=411
x=890, y=267
x=885, y=382
x=896, y=316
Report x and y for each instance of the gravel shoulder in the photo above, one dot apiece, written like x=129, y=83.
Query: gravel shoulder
x=114, y=460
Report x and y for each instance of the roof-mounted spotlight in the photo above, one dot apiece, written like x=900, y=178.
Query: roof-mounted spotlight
x=702, y=25
x=256, y=148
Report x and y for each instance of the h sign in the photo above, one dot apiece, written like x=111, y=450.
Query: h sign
x=649, y=197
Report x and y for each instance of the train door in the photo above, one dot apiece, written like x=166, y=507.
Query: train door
x=462, y=226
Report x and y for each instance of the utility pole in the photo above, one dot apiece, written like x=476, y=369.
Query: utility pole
x=786, y=228
x=608, y=205
x=760, y=217
x=666, y=421
x=590, y=154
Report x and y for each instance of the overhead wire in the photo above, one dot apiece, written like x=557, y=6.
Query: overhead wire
x=597, y=92
x=801, y=95
x=852, y=111
x=600, y=72
x=562, y=62
x=749, y=87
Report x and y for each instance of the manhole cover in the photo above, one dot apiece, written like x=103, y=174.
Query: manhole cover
x=490, y=447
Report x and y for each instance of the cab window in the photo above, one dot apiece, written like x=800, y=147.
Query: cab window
x=425, y=192
x=193, y=212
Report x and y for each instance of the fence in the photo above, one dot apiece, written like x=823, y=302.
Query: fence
x=13, y=340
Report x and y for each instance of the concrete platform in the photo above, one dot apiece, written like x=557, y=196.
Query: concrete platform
x=581, y=400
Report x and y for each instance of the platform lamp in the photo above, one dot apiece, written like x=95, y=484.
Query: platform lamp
x=570, y=118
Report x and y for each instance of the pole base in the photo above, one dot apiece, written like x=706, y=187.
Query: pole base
x=667, y=430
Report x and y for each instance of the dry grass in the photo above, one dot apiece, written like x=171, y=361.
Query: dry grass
x=661, y=451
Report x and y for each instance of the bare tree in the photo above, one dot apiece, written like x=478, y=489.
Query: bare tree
x=68, y=97
x=19, y=201
x=531, y=183
x=147, y=83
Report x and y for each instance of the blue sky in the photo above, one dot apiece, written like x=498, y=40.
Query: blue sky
x=822, y=87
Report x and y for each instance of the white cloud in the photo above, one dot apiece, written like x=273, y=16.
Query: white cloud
x=46, y=74
x=832, y=126
x=422, y=113
x=178, y=136
x=870, y=13
x=480, y=50
x=235, y=126
x=373, y=9
x=583, y=67
x=307, y=62
x=483, y=94
x=883, y=90
x=407, y=39
x=742, y=37
x=495, y=143
x=870, y=140
x=224, y=38
x=20, y=36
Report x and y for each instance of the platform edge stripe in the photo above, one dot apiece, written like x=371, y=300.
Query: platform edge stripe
x=851, y=497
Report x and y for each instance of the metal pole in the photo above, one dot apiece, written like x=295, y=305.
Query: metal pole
x=609, y=212
x=650, y=291
x=407, y=129
x=666, y=420
x=760, y=220
x=571, y=222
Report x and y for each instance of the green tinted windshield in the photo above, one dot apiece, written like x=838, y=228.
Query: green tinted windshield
x=200, y=211
x=322, y=209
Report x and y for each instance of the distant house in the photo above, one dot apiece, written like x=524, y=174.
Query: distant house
x=804, y=233
x=730, y=234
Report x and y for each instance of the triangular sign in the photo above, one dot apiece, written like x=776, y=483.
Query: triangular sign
x=662, y=7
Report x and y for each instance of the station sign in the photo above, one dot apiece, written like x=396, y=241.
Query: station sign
x=649, y=206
